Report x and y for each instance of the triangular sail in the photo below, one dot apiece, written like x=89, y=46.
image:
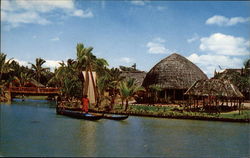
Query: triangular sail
x=91, y=91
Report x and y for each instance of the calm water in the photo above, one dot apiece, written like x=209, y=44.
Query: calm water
x=32, y=128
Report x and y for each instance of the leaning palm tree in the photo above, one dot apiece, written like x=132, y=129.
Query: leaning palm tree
x=128, y=90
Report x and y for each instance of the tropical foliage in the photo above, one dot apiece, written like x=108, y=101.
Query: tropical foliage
x=128, y=90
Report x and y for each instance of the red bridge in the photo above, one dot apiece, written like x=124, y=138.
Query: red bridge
x=49, y=91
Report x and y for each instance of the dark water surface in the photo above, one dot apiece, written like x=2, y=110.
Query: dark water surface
x=32, y=128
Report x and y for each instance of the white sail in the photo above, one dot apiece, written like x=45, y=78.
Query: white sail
x=91, y=92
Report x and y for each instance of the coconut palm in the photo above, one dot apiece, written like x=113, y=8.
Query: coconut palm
x=115, y=80
x=66, y=77
x=23, y=79
x=4, y=65
x=109, y=81
x=38, y=69
x=128, y=90
x=88, y=62
x=155, y=89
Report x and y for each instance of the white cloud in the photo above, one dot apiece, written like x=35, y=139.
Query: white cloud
x=193, y=39
x=224, y=21
x=219, y=43
x=52, y=64
x=138, y=2
x=208, y=63
x=84, y=14
x=26, y=17
x=55, y=39
x=17, y=12
x=157, y=46
x=22, y=63
x=126, y=60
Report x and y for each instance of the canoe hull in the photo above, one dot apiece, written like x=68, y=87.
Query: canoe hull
x=79, y=114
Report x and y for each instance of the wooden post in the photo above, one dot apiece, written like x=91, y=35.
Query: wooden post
x=174, y=94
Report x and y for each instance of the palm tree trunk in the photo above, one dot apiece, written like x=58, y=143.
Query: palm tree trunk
x=126, y=107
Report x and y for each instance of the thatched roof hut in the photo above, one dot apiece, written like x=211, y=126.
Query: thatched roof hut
x=137, y=75
x=214, y=87
x=173, y=75
x=173, y=72
x=214, y=93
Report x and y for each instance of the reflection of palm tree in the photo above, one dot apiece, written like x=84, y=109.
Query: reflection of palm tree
x=38, y=69
x=128, y=90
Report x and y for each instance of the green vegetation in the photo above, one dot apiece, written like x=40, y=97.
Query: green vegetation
x=180, y=112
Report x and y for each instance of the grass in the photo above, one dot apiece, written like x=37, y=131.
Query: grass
x=168, y=111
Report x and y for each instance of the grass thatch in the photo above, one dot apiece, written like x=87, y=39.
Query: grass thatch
x=173, y=72
x=214, y=87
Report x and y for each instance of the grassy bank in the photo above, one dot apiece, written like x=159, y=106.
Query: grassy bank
x=33, y=97
x=180, y=113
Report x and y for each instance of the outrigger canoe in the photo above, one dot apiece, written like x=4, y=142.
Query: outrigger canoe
x=79, y=114
x=76, y=113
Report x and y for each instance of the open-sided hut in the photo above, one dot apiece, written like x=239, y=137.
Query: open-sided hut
x=214, y=92
x=174, y=75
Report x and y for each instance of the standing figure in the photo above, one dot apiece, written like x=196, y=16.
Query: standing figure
x=85, y=103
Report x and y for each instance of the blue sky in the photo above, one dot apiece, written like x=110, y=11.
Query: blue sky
x=210, y=33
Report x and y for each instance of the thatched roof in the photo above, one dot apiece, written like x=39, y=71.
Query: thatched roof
x=214, y=87
x=137, y=75
x=34, y=83
x=173, y=72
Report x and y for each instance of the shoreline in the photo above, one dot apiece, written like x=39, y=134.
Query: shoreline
x=202, y=118
x=170, y=116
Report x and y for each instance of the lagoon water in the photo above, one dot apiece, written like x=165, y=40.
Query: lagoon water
x=32, y=128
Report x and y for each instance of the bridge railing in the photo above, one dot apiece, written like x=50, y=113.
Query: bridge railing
x=47, y=90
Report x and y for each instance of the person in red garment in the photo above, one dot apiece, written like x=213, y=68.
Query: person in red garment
x=85, y=103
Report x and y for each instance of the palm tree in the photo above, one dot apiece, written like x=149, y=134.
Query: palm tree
x=38, y=69
x=23, y=79
x=4, y=65
x=88, y=62
x=154, y=89
x=115, y=80
x=67, y=78
x=128, y=90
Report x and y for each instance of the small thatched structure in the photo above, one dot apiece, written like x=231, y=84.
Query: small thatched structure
x=173, y=75
x=239, y=77
x=34, y=83
x=137, y=75
x=214, y=92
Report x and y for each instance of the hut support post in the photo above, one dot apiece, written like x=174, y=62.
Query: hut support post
x=174, y=94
